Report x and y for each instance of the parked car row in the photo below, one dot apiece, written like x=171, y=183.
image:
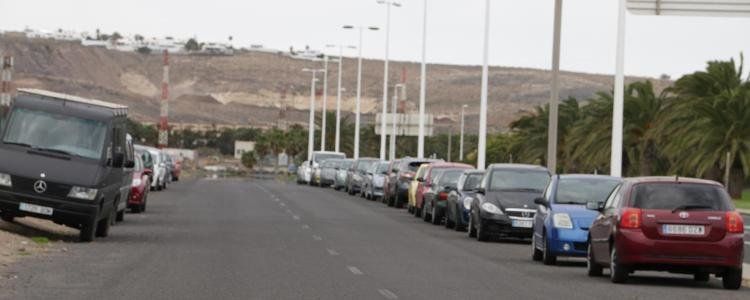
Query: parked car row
x=673, y=224
x=70, y=160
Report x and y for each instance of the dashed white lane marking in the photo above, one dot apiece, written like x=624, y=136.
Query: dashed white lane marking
x=354, y=270
x=387, y=294
x=317, y=238
x=289, y=211
x=332, y=252
x=282, y=204
x=276, y=200
x=305, y=226
x=296, y=218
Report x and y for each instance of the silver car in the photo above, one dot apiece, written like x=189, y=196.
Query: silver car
x=372, y=188
x=341, y=173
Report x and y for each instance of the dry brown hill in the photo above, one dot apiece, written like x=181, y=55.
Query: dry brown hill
x=251, y=87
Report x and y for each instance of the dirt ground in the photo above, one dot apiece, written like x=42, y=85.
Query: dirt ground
x=27, y=237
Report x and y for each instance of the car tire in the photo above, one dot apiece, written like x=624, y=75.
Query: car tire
x=158, y=186
x=103, y=226
x=456, y=225
x=732, y=279
x=536, y=254
x=617, y=272
x=701, y=277
x=437, y=219
x=87, y=232
x=593, y=269
x=482, y=235
x=120, y=216
x=448, y=223
x=548, y=258
x=472, y=232
x=426, y=216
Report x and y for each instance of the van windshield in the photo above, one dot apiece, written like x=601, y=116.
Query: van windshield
x=50, y=131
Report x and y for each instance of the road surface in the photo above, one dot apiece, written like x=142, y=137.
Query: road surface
x=255, y=239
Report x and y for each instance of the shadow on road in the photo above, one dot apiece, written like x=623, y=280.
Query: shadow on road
x=30, y=228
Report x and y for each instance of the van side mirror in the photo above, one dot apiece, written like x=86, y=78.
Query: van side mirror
x=593, y=205
x=118, y=160
x=541, y=201
x=481, y=190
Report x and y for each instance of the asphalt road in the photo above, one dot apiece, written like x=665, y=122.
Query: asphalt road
x=250, y=239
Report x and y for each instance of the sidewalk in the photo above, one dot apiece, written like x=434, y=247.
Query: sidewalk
x=746, y=275
x=744, y=211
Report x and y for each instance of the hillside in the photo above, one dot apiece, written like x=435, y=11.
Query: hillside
x=250, y=88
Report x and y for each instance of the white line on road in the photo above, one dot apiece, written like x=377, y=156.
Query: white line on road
x=332, y=252
x=276, y=200
x=305, y=226
x=354, y=270
x=282, y=204
x=289, y=211
x=296, y=218
x=387, y=294
x=317, y=238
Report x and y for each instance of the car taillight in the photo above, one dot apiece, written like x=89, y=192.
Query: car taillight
x=734, y=222
x=443, y=196
x=631, y=218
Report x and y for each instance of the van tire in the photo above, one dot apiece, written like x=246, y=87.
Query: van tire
x=102, y=228
x=87, y=232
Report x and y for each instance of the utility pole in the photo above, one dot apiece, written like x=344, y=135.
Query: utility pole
x=325, y=101
x=461, y=142
x=422, y=84
x=5, y=87
x=164, y=114
x=555, y=92
x=450, y=142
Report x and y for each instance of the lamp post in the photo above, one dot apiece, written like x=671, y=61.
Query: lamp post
x=388, y=4
x=555, y=92
x=359, y=86
x=422, y=84
x=311, y=125
x=394, y=112
x=461, y=139
x=482, y=145
x=338, y=94
x=323, y=122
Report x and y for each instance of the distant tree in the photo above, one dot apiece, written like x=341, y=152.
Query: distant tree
x=249, y=160
x=144, y=50
x=192, y=45
x=116, y=36
x=139, y=38
x=98, y=36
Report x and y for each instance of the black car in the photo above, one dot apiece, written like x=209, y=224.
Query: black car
x=459, y=200
x=436, y=197
x=401, y=177
x=504, y=204
x=65, y=159
x=355, y=175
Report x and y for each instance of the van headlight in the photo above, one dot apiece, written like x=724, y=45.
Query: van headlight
x=137, y=182
x=5, y=180
x=467, y=203
x=491, y=208
x=82, y=193
x=562, y=220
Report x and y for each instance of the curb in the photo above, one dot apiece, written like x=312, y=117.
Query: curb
x=746, y=275
x=744, y=211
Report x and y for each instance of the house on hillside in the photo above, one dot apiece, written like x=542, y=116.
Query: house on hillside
x=240, y=147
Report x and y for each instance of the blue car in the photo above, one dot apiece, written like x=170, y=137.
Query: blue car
x=459, y=200
x=562, y=221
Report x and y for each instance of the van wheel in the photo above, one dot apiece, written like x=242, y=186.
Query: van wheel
x=594, y=270
x=102, y=228
x=701, y=277
x=732, y=279
x=87, y=232
x=617, y=272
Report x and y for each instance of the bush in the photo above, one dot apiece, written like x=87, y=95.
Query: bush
x=249, y=160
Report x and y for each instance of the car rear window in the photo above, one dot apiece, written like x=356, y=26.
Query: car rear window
x=450, y=178
x=411, y=166
x=673, y=196
x=472, y=181
x=584, y=190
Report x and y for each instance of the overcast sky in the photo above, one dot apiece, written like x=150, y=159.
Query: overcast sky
x=521, y=33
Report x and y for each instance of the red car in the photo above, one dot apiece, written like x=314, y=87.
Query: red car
x=425, y=183
x=140, y=187
x=672, y=224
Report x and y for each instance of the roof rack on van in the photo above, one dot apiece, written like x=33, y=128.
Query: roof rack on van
x=119, y=110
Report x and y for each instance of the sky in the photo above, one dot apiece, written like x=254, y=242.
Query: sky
x=521, y=31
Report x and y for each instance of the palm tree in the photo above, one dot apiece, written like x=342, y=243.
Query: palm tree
x=709, y=116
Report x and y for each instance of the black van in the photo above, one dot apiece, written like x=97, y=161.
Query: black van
x=66, y=159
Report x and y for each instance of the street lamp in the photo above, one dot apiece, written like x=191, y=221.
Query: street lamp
x=461, y=142
x=311, y=125
x=338, y=94
x=388, y=4
x=555, y=92
x=422, y=84
x=394, y=111
x=482, y=145
x=359, y=85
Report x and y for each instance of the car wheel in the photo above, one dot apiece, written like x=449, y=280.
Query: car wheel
x=456, y=225
x=426, y=216
x=617, y=272
x=87, y=232
x=732, y=279
x=536, y=254
x=482, y=235
x=120, y=216
x=102, y=228
x=448, y=223
x=594, y=269
x=471, y=230
x=158, y=186
x=437, y=219
x=548, y=258
x=701, y=276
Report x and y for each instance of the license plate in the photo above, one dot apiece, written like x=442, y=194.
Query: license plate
x=42, y=210
x=522, y=223
x=684, y=229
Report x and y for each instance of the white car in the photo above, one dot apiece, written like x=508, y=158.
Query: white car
x=159, y=168
x=304, y=173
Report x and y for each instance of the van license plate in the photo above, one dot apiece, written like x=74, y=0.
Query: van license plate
x=684, y=229
x=42, y=210
x=522, y=223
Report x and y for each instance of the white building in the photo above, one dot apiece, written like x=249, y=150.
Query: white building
x=240, y=147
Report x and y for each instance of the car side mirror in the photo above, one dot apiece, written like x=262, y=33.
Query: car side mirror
x=540, y=201
x=148, y=172
x=385, y=173
x=130, y=164
x=420, y=179
x=593, y=205
x=481, y=191
x=118, y=160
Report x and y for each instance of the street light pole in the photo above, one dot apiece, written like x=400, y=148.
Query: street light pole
x=461, y=142
x=325, y=103
x=359, y=88
x=481, y=147
x=338, y=93
x=394, y=111
x=422, y=84
x=555, y=92
x=617, y=114
x=388, y=5
x=311, y=125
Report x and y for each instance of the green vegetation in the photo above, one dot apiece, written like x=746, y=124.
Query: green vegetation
x=249, y=160
x=40, y=240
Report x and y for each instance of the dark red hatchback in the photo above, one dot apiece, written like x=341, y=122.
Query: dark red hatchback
x=672, y=224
